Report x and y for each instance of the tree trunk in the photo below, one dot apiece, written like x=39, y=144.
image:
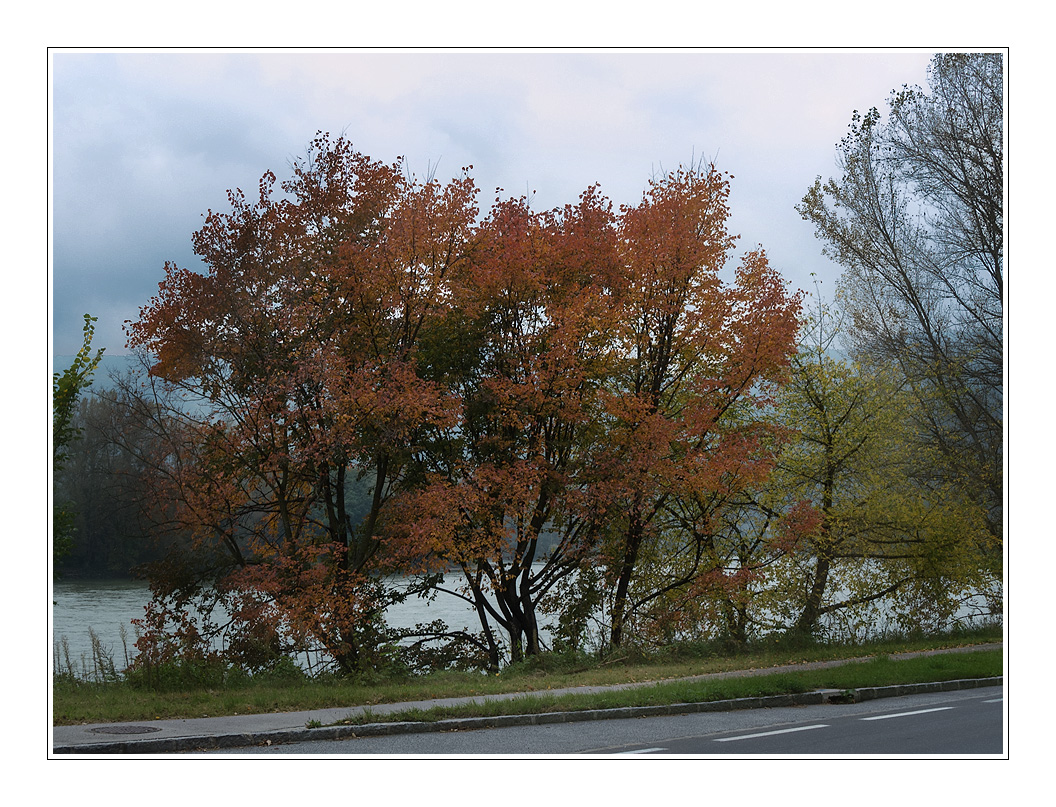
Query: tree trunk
x=808, y=618
x=482, y=615
x=635, y=531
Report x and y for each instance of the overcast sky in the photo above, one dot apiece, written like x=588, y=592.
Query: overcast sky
x=144, y=143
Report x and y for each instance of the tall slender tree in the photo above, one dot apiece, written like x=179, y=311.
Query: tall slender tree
x=692, y=349
x=66, y=388
x=916, y=219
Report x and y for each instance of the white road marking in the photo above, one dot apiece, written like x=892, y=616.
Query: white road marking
x=770, y=733
x=906, y=714
x=640, y=751
x=994, y=700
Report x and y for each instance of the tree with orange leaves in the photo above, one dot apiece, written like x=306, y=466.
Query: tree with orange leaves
x=608, y=378
x=694, y=353
x=525, y=353
x=298, y=347
x=528, y=399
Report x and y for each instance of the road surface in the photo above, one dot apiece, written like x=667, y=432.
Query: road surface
x=961, y=723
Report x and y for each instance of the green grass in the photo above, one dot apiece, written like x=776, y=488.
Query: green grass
x=881, y=671
x=76, y=702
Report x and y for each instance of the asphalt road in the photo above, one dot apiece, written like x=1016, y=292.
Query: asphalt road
x=960, y=723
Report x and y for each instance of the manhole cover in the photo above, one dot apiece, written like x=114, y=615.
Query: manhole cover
x=125, y=730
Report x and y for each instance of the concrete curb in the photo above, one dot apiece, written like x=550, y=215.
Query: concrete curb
x=241, y=740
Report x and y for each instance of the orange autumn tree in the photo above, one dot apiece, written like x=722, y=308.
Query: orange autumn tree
x=298, y=349
x=693, y=366
x=612, y=388
x=526, y=353
x=375, y=381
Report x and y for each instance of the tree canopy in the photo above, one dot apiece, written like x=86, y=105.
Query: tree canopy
x=604, y=415
x=916, y=220
x=488, y=386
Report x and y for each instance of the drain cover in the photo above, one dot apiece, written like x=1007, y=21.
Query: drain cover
x=125, y=730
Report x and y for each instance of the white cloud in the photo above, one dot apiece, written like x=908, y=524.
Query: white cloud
x=145, y=143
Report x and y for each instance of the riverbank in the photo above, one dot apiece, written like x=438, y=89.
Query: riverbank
x=79, y=702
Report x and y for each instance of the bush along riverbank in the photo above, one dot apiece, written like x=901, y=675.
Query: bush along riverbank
x=190, y=690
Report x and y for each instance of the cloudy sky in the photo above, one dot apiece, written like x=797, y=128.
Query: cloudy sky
x=142, y=144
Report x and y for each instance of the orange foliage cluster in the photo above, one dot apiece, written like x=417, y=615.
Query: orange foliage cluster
x=487, y=385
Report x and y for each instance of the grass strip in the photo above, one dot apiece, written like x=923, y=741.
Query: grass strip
x=881, y=671
x=77, y=702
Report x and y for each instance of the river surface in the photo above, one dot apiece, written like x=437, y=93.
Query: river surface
x=105, y=607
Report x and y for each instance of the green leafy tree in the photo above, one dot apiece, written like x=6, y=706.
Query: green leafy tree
x=884, y=535
x=65, y=389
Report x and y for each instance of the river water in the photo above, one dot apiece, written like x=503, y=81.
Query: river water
x=105, y=607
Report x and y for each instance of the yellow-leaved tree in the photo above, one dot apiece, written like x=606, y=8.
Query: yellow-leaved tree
x=895, y=543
